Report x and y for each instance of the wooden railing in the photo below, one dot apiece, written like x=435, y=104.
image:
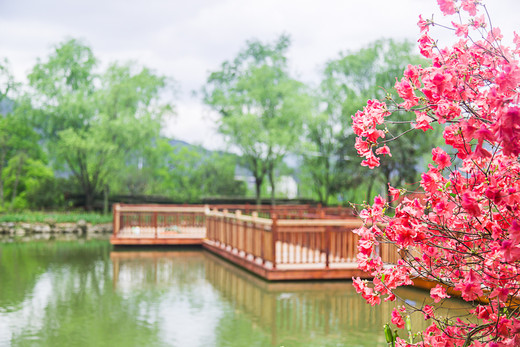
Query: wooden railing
x=288, y=242
x=296, y=237
x=159, y=221
x=313, y=241
x=290, y=211
x=250, y=236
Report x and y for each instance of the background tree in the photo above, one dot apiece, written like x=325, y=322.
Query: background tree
x=191, y=173
x=347, y=82
x=262, y=107
x=20, y=151
x=95, y=124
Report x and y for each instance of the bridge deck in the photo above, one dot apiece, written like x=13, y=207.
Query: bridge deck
x=274, y=249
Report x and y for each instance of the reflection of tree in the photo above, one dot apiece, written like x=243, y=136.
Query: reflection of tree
x=19, y=272
x=295, y=314
x=82, y=309
x=160, y=298
x=22, y=263
x=151, y=270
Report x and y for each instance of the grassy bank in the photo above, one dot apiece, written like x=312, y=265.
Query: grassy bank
x=55, y=217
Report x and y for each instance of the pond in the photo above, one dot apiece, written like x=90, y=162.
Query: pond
x=84, y=293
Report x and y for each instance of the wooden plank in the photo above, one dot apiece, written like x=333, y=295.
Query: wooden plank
x=237, y=260
x=349, y=223
x=131, y=255
x=286, y=274
x=119, y=241
x=251, y=219
x=162, y=208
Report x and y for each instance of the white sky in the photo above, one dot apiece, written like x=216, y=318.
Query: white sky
x=188, y=39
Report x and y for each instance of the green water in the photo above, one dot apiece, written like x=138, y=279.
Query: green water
x=86, y=294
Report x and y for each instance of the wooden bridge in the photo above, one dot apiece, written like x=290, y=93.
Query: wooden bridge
x=281, y=243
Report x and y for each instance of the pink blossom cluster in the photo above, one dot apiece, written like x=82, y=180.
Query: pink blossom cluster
x=364, y=124
x=464, y=234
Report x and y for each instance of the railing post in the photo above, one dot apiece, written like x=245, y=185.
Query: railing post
x=116, y=221
x=254, y=216
x=327, y=246
x=226, y=228
x=155, y=225
x=238, y=228
x=274, y=231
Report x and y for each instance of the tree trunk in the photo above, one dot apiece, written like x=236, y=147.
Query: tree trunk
x=105, y=200
x=258, y=186
x=89, y=200
x=271, y=182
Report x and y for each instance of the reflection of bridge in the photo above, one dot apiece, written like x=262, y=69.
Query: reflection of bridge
x=316, y=313
x=286, y=311
x=281, y=243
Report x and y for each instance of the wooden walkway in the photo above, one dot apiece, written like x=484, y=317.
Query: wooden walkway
x=283, y=244
x=158, y=225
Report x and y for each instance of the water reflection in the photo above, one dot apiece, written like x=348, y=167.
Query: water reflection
x=84, y=294
x=60, y=294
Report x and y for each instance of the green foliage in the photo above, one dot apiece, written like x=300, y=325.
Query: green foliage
x=56, y=217
x=191, y=174
x=22, y=162
x=98, y=129
x=348, y=81
x=263, y=109
x=96, y=124
x=28, y=176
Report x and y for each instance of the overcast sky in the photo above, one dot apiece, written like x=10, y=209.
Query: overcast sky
x=188, y=39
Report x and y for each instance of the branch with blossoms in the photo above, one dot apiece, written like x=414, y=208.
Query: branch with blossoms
x=464, y=233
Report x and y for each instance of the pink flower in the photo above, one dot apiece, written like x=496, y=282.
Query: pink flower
x=464, y=227
x=422, y=121
x=484, y=134
x=393, y=193
x=447, y=6
x=371, y=161
x=494, y=194
x=423, y=24
x=362, y=147
x=514, y=231
x=412, y=73
x=426, y=45
x=441, y=158
x=510, y=251
x=479, y=22
x=470, y=6
x=470, y=204
x=390, y=297
x=470, y=286
x=460, y=29
x=372, y=134
x=383, y=150
x=509, y=78
x=516, y=40
x=438, y=293
x=480, y=152
x=501, y=293
x=428, y=312
x=495, y=35
x=405, y=91
x=440, y=81
x=482, y=312
x=397, y=319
